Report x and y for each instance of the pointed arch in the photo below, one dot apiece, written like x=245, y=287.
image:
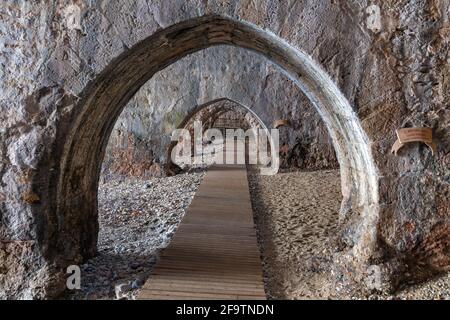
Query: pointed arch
x=75, y=225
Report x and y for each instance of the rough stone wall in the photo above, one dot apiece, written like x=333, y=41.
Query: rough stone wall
x=305, y=143
x=406, y=82
x=393, y=76
x=129, y=155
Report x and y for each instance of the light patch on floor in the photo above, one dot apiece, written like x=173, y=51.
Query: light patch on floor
x=296, y=214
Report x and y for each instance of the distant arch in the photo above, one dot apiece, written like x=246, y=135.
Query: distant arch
x=224, y=104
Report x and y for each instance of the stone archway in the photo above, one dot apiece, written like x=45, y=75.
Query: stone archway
x=221, y=105
x=70, y=234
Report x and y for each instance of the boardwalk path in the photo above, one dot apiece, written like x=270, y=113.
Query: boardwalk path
x=214, y=253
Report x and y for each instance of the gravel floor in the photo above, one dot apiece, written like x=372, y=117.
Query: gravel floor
x=296, y=214
x=137, y=218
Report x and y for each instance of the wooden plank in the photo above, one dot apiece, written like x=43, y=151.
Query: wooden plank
x=187, y=278
x=214, y=253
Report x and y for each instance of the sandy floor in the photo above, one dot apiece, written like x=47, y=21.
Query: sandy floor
x=296, y=214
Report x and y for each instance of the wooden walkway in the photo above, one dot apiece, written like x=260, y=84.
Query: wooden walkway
x=214, y=253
